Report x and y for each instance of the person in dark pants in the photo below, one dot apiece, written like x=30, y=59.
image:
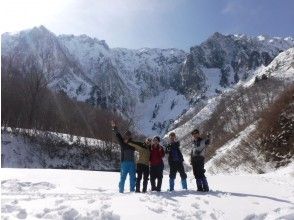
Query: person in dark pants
x=175, y=160
x=156, y=164
x=128, y=165
x=142, y=163
x=197, y=160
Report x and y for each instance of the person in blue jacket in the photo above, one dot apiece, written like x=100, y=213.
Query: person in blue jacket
x=175, y=160
x=128, y=165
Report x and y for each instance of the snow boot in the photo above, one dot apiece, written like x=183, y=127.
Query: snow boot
x=205, y=185
x=184, y=184
x=171, y=184
x=199, y=185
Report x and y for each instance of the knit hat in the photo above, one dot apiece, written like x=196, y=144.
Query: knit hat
x=195, y=131
x=156, y=138
x=172, y=134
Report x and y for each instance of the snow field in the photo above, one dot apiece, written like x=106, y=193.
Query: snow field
x=72, y=194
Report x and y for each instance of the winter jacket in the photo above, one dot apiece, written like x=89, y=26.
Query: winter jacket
x=127, y=152
x=174, y=152
x=156, y=155
x=198, y=148
x=144, y=152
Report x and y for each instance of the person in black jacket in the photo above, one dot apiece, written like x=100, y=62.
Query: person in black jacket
x=128, y=165
x=197, y=160
x=175, y=160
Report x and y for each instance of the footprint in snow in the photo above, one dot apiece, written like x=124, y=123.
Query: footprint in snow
x=104, y=198
x=195, y=205
x=156, y=209
x=14, y=185
x=254, y=216
x=9, y=208
x=22, y=214
x=50, y=213
x=90, y=201
x=206, y=202
x=70, y=214
x=212, y=215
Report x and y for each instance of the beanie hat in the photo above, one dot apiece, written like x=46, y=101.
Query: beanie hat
x=157, y=138
x=195, y=131
x=172, y=134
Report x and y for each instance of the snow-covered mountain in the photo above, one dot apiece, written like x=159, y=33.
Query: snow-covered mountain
x=243, y=152
x=225, y=60
x=141, y=84
x=281, y=68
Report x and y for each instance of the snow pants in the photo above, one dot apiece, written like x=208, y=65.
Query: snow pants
x=198, y=170
x=127, y=167
x=142, y=171
x=156, y=173
x=198, y=167
x=177, y=167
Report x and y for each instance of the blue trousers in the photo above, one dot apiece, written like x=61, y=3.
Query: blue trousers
x=127, y=167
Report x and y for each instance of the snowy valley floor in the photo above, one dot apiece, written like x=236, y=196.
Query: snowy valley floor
x=68, y=194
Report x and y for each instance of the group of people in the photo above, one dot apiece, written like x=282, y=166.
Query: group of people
x=150, y=161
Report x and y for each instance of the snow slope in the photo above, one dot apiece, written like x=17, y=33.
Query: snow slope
x=234, y=158
x=18, y=151
x=197, y=118
x=159, y=111
x=64, y=194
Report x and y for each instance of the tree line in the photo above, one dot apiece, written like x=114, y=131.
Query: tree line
x=27, y=102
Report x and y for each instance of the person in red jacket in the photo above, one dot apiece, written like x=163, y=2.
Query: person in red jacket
x=156, y=164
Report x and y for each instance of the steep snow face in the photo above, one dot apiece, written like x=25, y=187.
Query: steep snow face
x=149, y=71
x=282, y=67
x=198, y=118
x=40, y=48
x=143, y=72
x=89, y=52
x=213, y=78
x=65, y=194
x=159, y=112
x=230, y=157
x=236, y=57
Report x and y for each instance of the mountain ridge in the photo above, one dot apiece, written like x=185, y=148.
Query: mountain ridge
x=124, y=79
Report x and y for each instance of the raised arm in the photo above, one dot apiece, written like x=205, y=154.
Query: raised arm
x=116, y=132
x=137, y=145
x=207, y=140
x=167, y=149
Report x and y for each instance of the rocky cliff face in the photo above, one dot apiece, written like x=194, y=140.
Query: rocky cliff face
x=234, y=57
x=134, y=82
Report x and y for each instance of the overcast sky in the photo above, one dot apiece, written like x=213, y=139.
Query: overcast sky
x=151, y=23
